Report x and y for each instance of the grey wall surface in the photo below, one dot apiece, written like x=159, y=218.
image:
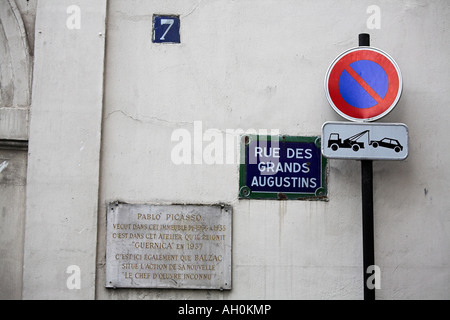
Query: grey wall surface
x=103, y=121
x=13, y=164
x=16, y=43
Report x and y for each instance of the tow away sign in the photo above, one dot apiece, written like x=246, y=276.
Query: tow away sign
x=368, y=141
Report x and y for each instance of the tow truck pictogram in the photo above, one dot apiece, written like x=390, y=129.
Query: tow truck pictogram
x=335, y=142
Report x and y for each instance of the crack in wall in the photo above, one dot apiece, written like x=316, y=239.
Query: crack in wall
x=194, y=8
x=147, y=120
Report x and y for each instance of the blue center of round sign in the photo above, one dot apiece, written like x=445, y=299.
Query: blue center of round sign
x=374, y=76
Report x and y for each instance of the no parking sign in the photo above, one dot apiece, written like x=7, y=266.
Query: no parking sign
x=363, y=84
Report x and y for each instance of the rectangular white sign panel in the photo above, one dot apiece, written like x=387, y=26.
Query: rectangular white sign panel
x=365, y=141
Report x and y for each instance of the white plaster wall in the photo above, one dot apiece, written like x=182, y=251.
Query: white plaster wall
x=64, y=151
x=261, y=65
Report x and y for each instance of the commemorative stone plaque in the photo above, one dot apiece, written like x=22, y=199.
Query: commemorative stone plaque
x=168, y=246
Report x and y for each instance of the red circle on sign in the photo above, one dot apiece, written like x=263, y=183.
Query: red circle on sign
x=384, y=104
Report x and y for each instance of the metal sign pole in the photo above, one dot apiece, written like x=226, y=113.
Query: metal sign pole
x=367, y=208
x=367, y=224
x=364, y=84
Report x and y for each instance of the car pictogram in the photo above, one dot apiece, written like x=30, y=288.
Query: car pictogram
x=387, y=143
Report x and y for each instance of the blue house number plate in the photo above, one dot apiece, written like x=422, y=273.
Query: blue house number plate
x=166, y=29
